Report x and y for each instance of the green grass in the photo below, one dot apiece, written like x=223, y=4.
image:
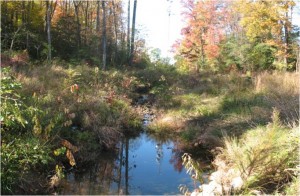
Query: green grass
x=216, y=104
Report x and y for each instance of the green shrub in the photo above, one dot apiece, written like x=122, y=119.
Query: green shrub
x=12, y=107
x=19, y=157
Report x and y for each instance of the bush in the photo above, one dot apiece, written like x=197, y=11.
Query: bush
x=11, y=105
x=20, y=157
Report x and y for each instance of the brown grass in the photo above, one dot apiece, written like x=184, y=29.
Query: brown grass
x=281, y=90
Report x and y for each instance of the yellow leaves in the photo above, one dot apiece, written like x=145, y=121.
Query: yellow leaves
x=37, y=128
x=59, y=151
x=263, y=18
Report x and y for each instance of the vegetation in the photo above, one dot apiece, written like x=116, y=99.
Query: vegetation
x=72, y=80
x=80, y=110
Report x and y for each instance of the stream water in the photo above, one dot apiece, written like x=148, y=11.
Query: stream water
x=143, y=165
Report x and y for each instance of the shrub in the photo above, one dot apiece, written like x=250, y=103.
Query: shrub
x=11, y=104
x=20, y=157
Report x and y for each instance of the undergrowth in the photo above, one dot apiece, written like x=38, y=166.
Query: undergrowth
x=62, y=115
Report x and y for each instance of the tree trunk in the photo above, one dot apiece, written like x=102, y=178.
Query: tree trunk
x=128, y=31
x=104, y=37
x=78, y=34
x=286, y=40
x=133, y=31
x=202, y=52
x=115, y=28
x=49, y=30
x=98, y=17
x=23, y=13
x=86, y=22
x=13, y=38
x=298, y=60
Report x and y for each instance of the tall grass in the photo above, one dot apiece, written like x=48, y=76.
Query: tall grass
x=266, y=158
x=281, y=90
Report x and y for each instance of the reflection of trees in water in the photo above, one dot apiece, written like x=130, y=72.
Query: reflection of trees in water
x=96, y=180
x=179, y=149
x=112, y=171
x=176, y=159
x=159, y=154
x=122, y=164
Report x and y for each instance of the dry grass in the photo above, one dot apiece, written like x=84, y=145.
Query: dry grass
x=262, y=157
x=281, y=90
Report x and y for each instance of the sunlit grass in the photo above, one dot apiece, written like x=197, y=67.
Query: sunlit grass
x=265, y=157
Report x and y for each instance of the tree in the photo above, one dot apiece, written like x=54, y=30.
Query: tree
x=204, y=31
x=52, y=28
x=76, y=6
x=128, y=30
x=132, y=34
x=48, y=25
x=104, y=37
x=268, y=22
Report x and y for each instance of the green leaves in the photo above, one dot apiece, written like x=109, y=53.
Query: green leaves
x=11, y=104
x=19, y=157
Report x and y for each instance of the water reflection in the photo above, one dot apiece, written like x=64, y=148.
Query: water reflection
x=143, y=165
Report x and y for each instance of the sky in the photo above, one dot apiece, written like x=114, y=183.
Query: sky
x=161, y=30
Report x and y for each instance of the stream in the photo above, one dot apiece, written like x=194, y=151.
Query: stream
x=144, y=165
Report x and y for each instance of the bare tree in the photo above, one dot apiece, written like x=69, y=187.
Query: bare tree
x=115, y=27
x=76, y=6
x=128, y=30
x=104, y=37
x=98, y=17
x=133, y=31
x=48, y=24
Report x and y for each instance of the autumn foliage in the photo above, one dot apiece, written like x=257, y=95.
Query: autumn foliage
x=254, y=27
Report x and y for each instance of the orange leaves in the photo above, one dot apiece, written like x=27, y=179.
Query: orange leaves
x=205, y=29
x=70, y=148
x=68, y=145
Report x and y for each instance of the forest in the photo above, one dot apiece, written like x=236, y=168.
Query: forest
x=79, y=86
